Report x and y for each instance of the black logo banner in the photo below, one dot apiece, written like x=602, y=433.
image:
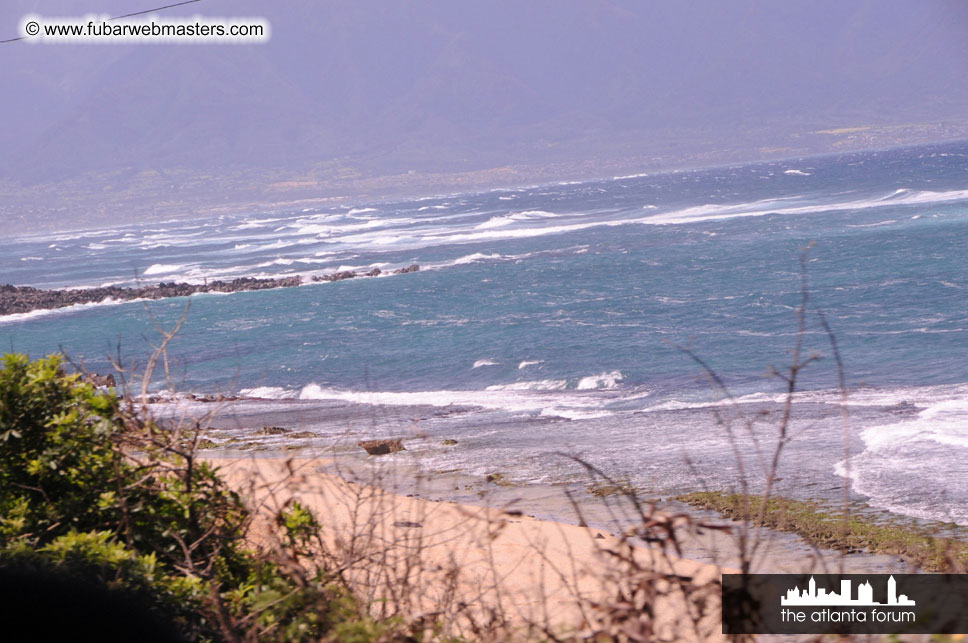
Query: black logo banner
x=845, y=604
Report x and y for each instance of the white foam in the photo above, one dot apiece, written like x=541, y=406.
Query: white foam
x=714, y=212
x=572, y=414
x=539, y=385
x=280, y=244
x=527, y=363
x=495, y=222
x=360, y=211
x=602, y=380
x=910, y=466
x=281, y=261
x=64, y=310
x=162, y=268
x=514, y=398
x=629, y=176
x=484, y=362
x=871, y=225
x=269, y=393
x=477, y=256
x=329, y=230
x=515, y=217
x=794, y=172
x=942, y=422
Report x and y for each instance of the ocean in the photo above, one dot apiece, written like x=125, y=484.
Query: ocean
x=555, y=322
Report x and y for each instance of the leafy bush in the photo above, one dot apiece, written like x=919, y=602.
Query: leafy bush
x=92, y=489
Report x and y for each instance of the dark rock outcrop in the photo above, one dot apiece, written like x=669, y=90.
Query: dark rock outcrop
x=374, y=272
x=23, y=299
x=381, y=447
x=210, y=398
x=336, y=276
x=904, y=408
x=106, y=381
x=407, y=524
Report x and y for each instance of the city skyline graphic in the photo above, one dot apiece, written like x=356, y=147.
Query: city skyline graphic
x=865, y=595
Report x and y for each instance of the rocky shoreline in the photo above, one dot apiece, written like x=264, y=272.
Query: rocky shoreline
x=24, y=299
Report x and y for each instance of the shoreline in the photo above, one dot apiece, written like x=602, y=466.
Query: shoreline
x=431, y=468
x=612, y=516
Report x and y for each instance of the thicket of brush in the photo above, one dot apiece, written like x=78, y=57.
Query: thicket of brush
x=93, y=495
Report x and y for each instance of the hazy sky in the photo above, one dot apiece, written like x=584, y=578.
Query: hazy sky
x=388, y=85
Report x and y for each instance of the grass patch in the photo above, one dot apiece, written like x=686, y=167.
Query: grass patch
x=604, y=490
x=825, y=527
x=499, y=479
x=272, y=430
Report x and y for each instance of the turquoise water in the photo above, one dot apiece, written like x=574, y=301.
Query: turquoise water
x=550, y=318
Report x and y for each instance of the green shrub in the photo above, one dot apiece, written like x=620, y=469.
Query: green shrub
x=92, y=489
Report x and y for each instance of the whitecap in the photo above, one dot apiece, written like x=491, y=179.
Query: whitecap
x=269, y=393
x=538, y=385
x=281, y=261
x=628, y=176
x=477, y=256
x=602, y=380
x=718, y=212
x=523, y=400
x=911, y=467
x=515, y=217
x=485, y=362
x=162, y=268
x=871, y=225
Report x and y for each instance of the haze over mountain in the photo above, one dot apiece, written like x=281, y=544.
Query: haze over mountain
x=378, y=87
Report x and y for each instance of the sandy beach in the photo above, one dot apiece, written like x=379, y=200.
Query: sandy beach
x=481, y=564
